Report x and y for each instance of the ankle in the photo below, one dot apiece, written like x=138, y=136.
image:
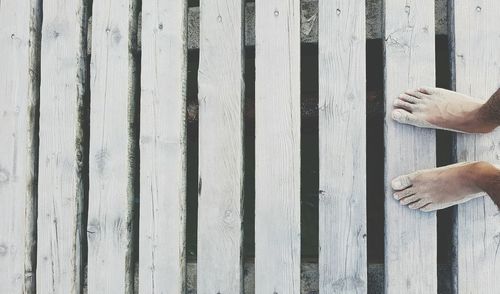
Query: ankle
x=486, y=118
x=487, y=176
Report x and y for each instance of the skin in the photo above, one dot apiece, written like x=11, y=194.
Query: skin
x=443, y=109
x=434, y=189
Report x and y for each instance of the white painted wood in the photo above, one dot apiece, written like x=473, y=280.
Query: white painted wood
x=310, y=21
x=60, y=186
x=476, y=68
x=18, y=103
x=342, y=147
x=111, y=155
x=277, y=146
x=410, y=236
x=220, y=198
x=163, y=147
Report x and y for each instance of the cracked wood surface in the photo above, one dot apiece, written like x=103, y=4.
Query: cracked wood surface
x=277, y=146
x=60, y=180
x=342, y=147
x=410, y=236
x=19, y=39
x=309, y=17
x=476, y=71
x=162, y=240
x=220, y=173
x=112, y=153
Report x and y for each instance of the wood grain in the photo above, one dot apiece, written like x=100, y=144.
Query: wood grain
x=476, y=72
x=19, y=59
x=163, y=148
x=60, y=180
x=342, y=147
x=309, y=10
x=220, y=191
x=277, y=146
x=410, y=236
x=112, y=147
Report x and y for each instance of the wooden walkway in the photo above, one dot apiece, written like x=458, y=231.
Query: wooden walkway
x=93, y=152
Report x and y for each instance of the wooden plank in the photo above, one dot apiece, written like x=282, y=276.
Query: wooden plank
x=60, y=181
x=277, y=146
x=19, y=59
x=163, y=147
x=112, y=147
x=220, y=191
x=410, y=236
x=476, y=70
x=342, y=147
x=309, y=21
x=310, y=278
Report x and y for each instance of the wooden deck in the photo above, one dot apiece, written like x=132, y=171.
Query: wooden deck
x=96, y=163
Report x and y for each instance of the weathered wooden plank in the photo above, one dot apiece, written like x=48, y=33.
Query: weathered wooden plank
x=112, y=147
x=410, y=236
x=60, y=180
x=310, y=22
x=19, y=59
x=220, y=192
x=163, y=148
x=309, y=278
x=309, y=283
x=476, y=70
x=342, y=147
x=277, y=146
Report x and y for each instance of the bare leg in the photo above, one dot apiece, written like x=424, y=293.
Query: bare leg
x=438, y=188
x=491, y=109
x=491, y=183
x=443, y=109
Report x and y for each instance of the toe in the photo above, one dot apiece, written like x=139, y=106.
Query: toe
x=405, y=193
x=408, y=98
x=427, y=90
x=428, y=207
x=401, y=183
x=399, y=103
x=409, y=199
x=416, y=93
x=419, y=204
x=404, y=117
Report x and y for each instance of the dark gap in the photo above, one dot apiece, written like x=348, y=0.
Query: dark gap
x=84, y=121
x=134, y=126
x=375, y=164
x=193, y=3
x=34, y=116
x=249, y=155
x=309, y=145
x=192, y=154
x=444, y=151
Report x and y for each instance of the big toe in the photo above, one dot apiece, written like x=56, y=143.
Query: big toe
x=401, y=183
x=403, y=116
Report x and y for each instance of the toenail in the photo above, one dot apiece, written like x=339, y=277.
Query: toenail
x=396, y=115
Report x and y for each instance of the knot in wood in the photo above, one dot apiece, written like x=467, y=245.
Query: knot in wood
x=3, y=250
x=4, y=176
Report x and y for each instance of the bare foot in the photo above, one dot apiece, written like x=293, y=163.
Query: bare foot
x=438, y=188
x=440, y=109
